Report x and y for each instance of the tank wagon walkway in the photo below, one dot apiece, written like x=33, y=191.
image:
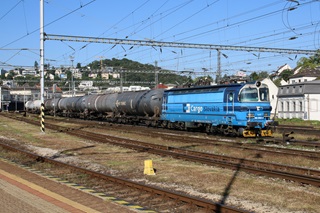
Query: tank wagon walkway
x=24, y=191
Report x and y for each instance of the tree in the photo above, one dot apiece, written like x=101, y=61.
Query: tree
x=10, y=75
x=254, y=76
x=311, y=62
x=285, y=75
x=36, y=65
x=263, y=75
x=277, y=82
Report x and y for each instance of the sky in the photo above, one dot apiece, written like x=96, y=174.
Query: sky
x=284, y=24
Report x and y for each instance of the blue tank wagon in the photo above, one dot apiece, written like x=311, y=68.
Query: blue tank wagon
x=235, y=109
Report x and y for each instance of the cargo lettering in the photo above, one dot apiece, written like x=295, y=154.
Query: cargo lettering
x=198, y=109
x=210, y=109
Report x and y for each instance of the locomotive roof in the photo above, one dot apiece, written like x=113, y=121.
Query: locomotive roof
x=205, y=87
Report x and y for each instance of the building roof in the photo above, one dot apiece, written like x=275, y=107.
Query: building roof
x=307, y=72
x=307, y=87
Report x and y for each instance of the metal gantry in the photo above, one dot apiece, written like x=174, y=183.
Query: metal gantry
x=152, y=43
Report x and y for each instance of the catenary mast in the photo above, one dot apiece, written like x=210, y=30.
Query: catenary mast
x=42, y=64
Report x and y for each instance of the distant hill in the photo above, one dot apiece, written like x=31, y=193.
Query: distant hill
x=142, y=77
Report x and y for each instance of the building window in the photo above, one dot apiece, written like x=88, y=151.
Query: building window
x=305, y=80
x=294, y=106
x=293, y=81
x=300, y=105
x=288, y=106
x=300, y=89
x=282, y=108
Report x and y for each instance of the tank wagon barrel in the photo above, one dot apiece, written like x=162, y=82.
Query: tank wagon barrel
x=144, y=103
x=33, y=106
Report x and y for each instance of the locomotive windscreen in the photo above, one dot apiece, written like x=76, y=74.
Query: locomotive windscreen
x=252, y=94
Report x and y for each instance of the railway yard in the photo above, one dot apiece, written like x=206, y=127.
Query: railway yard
x=194, y=172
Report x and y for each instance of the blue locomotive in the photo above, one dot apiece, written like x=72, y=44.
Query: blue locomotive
x=233, y=109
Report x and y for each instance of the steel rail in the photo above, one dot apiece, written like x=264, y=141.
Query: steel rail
x=208, y=205
x=302, y=175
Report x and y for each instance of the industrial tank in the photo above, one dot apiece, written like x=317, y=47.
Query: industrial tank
x=51, y=104
x=140, y=103
x=91, y=102
x=106, y=103
x=71, y=103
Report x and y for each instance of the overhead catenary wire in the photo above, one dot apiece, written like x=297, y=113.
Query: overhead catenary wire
x=163, y=12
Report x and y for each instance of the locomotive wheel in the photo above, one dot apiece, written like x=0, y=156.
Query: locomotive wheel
x=181, y=125
x=164, y=124
x=208, y=128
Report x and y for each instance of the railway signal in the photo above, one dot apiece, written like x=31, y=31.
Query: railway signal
x=286, y=137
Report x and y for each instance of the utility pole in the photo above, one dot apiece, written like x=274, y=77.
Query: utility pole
x=156, y=74
x=42, y=65
x=72, y=82
x=218, y=77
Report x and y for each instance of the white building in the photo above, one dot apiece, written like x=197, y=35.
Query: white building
x=125, y=89
x=300, y=100
x=29, y=72
x=305, y=75
x=273, y=92
x=87, y=85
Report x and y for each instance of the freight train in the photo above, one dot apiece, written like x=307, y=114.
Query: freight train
x=232, y=109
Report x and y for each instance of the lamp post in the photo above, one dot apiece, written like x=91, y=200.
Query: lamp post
x=24, y=94
x=156, y=75
x=54, y=99
x=0, y=99
x=16, y=102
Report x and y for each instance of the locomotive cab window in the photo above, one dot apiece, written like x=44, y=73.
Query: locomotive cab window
x=230, y=97
x=248, y=95
x=264, y=94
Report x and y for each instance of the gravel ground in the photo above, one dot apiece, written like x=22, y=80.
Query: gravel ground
x=253, y=193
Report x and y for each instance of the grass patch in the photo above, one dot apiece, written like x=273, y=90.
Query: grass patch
x=299, y=122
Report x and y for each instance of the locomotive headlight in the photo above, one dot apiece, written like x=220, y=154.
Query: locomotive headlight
x=258, y=83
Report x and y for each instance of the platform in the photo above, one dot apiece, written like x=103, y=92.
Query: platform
x=24, y=191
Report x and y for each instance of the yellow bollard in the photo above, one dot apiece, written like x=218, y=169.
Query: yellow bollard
x=148, y=169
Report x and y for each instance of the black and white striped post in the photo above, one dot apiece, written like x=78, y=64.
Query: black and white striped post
x=42, y=117
x=42, y=65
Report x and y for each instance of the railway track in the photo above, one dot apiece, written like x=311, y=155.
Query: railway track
x=230, y=143
x=297, y=174
x=304, y=130
x=226, y=143
x=145, y=195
